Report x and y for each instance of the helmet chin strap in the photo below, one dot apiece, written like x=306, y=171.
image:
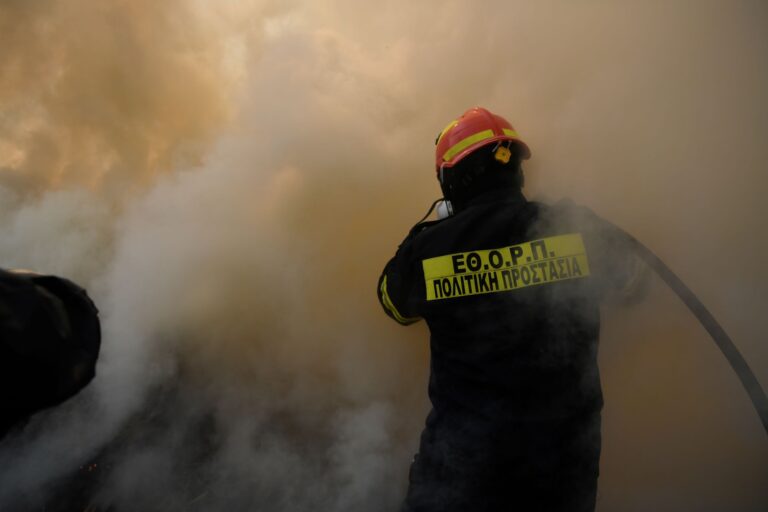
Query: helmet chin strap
x=444, y=206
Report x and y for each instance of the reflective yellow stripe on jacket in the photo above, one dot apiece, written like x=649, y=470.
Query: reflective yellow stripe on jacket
x=386, y=301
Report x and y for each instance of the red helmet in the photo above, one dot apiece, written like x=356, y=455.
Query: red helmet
x=476, y=128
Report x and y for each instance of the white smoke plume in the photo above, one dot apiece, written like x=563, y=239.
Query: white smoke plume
x=228, y=181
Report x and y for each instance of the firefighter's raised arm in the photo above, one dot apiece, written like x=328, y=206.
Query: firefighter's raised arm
x=620, y=274
x=398, y=284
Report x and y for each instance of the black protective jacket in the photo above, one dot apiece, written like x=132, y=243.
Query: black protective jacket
x=510, y=290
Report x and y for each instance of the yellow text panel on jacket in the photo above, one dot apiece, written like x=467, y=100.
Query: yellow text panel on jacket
x=548, y=260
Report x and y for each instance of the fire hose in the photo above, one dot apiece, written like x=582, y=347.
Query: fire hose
x=712, y=326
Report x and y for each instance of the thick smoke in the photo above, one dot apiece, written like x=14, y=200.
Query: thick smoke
x=228, y=183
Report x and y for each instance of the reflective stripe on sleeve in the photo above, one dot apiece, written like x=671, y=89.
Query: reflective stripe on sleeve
x=386, y=301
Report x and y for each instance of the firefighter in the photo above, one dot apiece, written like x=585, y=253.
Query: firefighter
x=49, y=342
x=510, y=291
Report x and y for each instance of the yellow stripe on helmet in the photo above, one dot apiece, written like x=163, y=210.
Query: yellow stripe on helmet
x=465, y=143
x=511, y=133
x=445, y=130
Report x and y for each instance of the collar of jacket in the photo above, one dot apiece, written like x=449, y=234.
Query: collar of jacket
x=504, y=195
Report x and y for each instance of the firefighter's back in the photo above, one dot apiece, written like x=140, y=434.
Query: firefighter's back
x=514, y=384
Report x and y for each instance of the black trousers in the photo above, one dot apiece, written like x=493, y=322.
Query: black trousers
x=537, y=466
